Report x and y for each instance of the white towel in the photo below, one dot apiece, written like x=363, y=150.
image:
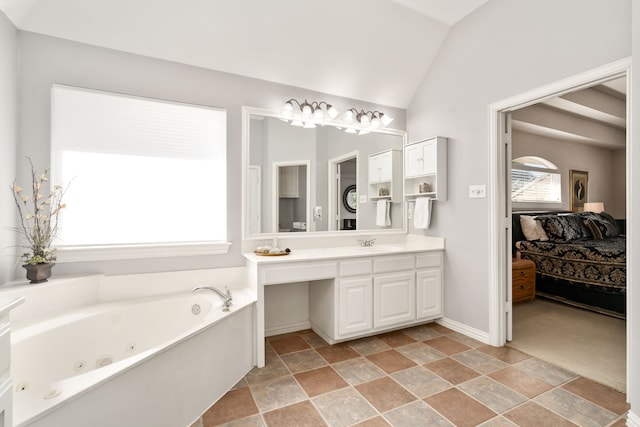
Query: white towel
x=382, y=213
x=422, y=212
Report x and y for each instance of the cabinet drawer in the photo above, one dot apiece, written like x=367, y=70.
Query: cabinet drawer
x=432, y=260
x=355, y=268
x=398, y=263
x=299, y=272
x=523, y=290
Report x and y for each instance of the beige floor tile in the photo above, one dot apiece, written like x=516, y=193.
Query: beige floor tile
x=395, y=339
x=575, y=408
x=369, y=345
x=506, y=354
x=277, y=393
x=420, y=381
x=554, y=375
x=420, y=353
x=479, y=361
x=373, y=422
x=358, y=371
x=492, y=394
x=303, y=361
x=343, y=407
x=415, y=413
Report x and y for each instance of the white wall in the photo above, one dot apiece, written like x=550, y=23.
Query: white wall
x=633, y=230
x=46, y=60
x=504, y=48
x=599, y=162
x=8, y=143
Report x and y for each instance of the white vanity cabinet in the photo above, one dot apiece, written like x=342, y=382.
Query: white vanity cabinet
x=385, y=175
x=375, y=294
x=426, y=164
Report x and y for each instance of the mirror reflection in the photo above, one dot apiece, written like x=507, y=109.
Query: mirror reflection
x=321, y=179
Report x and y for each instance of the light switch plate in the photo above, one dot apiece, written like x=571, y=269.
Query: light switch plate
x=477, y=191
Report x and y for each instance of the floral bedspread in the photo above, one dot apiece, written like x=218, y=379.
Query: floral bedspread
x=600, y=264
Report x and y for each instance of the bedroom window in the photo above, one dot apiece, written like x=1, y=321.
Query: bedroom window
x=145, y=175
x=535, y=180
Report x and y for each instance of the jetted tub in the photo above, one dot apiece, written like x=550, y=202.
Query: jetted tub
x=158, y=361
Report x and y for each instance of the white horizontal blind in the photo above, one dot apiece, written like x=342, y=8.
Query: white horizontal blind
x=538, y=186
x=141, y=171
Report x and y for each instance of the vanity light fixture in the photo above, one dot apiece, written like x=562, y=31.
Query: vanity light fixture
x=305, y=113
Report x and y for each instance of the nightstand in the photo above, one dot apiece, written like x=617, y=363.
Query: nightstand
x=524, y=280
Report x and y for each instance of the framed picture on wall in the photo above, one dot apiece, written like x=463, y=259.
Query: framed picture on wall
x=578, y=190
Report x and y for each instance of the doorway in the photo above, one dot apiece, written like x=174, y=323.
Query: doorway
x=343, y=176
x=501, y=308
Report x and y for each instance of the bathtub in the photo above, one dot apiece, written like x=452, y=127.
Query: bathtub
x=157, y=361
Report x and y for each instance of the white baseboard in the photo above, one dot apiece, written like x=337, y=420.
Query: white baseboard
x=476, y=334
x=285, y=329
x=633, y=420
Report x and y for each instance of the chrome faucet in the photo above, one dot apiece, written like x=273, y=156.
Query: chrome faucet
x=226, y=296
x=367, y=243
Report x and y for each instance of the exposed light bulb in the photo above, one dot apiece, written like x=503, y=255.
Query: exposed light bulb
x=287, y=109
x=333, y=112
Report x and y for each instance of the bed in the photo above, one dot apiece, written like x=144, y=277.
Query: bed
x=580, y=258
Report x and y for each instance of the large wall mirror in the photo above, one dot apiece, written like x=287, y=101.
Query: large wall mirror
x=307, y=180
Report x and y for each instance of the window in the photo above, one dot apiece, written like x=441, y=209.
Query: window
x=535, y=180
x=142, y=172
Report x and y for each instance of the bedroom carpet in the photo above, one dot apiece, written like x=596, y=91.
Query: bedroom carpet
x=588, y=343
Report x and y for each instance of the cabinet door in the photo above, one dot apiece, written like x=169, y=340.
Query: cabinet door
x=393, y=299
x=429, y=293
x=414, y=160
x=288, y=177
x=381, y=167
x=430, y=156
x=355, y=305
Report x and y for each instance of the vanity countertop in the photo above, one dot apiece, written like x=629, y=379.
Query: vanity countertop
x=339, y=252
x=8, y=304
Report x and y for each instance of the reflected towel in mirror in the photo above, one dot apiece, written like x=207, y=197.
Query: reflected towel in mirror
x=383, y=219
x=422, y=213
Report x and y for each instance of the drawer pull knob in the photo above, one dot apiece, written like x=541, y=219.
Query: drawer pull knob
x=521, y=287
x=522, y=273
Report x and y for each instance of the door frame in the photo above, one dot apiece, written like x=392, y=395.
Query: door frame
x=500, y=219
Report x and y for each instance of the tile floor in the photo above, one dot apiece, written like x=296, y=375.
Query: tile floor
x=422, y=376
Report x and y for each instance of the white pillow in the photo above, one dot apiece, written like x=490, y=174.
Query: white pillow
x=532, y=229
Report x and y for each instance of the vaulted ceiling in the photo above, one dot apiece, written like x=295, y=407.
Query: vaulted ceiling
x=372, y=50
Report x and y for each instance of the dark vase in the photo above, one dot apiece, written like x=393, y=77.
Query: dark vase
x=38, y=273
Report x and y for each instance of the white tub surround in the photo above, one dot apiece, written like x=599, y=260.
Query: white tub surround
x=6, y=400
x=129, y=350
x=356, y=291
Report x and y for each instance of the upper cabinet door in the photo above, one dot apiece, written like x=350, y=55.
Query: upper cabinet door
x=414, y=160
x=380, y=167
